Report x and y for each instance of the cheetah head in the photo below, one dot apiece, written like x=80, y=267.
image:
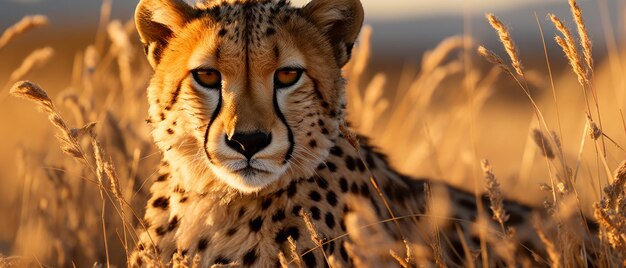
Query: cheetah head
x=247, y=93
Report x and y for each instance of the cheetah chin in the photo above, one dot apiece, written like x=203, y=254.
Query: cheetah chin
x=248, y=176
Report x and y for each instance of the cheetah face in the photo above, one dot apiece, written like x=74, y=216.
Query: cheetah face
x=245, y=92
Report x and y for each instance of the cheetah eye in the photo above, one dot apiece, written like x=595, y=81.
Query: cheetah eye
x=211, y=79
x=287, y=77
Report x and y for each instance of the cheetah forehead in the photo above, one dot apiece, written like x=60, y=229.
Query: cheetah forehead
x=246, y=23
x=215, y=3
x=230, y=10
x=255, y=12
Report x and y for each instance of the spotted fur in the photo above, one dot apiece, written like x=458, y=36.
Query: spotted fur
x=212, y=202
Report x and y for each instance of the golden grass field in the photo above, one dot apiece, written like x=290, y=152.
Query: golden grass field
x=71, y=191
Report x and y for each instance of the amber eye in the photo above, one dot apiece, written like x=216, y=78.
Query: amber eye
x=211, y=79
x=287, y=77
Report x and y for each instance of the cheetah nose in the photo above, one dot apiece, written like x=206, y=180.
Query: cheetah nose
x=248, y=144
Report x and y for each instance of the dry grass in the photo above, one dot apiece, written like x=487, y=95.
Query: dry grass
x=27, y=23
x=36, y=59
x=507, y=41
x=85, y=208
x=569, y=49
x=611, y=212
x=585, y=41
x=495, y=194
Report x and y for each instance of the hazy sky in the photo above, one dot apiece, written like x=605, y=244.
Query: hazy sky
x=408, y=8
x=377, y=9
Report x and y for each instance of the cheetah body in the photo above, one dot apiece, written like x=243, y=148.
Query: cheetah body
x=200, y=211
x=251, y=230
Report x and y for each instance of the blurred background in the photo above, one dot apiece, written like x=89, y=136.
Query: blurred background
x=402, y=31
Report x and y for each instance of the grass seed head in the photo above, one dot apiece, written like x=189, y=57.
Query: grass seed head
x=570, y=50
x=507, y=41
x=33, y=92
x=35, y=60
x=594, y=131
x=310, y=226
x=494, y=59
x=496, y=199
x=25, y=24
x=553, y=252
x=585, y=41
x=543, y=144
x=293, y=249
x=610, y=211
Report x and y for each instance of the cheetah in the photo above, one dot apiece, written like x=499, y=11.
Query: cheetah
x=247, y=106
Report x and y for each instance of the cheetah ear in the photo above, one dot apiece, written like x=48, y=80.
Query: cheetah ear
x=340, y=21
x=157, y=21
